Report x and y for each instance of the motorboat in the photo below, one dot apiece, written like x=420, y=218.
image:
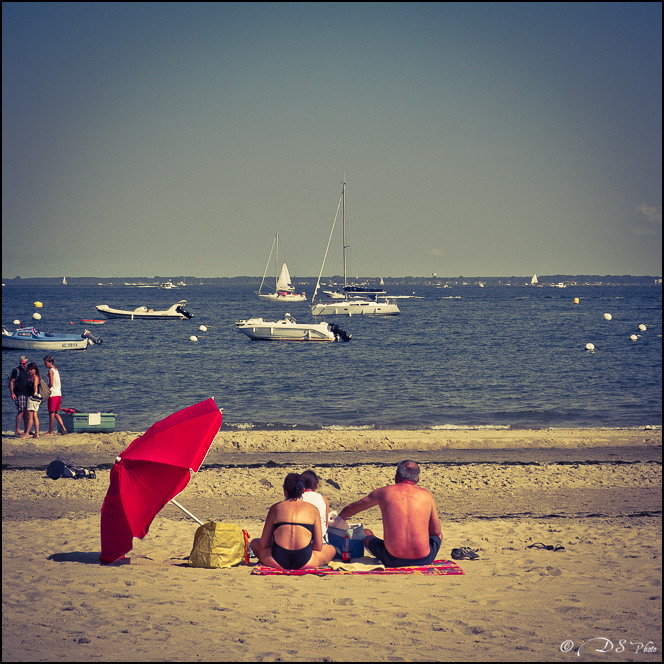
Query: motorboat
x=176, y=312
x=288, y=329
x=352, y=300
x=28, y=338
x=283, y=288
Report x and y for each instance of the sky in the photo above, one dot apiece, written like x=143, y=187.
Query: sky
x=475, y=139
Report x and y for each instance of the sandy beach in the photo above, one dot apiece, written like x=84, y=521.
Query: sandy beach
x=595, y=492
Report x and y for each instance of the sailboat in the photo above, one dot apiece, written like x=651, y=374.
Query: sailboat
x=533, y=281
x=357, y=300
x=64, y=281
x=283, y=289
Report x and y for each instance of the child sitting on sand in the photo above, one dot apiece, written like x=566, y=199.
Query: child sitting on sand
x=312, y=496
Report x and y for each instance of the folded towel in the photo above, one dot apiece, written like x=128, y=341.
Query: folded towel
x=364, y=564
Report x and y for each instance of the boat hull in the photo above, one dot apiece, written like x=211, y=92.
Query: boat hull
x=355, y=308
x=41, y=341
x=176, y=312
x=283, y=297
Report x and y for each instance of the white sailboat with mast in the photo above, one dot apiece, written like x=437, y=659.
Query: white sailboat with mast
x=283, y=288
x=357, y=300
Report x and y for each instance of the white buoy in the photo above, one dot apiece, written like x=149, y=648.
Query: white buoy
x=202, y=328
x=590, y=346
x=17, y=322
x=633, y=337
x=193, y=338
x=576, y=300
x=38, y=305
x=608, y=316
x=642, y=327
x=36, y=316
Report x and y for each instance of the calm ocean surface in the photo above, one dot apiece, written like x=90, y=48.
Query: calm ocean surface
x=456, y=357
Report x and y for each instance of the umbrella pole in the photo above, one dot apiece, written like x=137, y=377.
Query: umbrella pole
x=186, y=511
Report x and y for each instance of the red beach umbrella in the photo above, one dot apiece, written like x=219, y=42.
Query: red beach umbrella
x=151, y=471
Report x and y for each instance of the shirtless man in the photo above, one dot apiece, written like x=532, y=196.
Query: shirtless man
x=410, y=521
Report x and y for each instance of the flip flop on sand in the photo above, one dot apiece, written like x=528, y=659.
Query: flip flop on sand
x=546, y=547
x=464, y=552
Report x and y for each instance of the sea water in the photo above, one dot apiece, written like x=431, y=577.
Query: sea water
x=512, y=357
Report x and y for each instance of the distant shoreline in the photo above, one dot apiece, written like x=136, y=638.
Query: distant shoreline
x=545, y=281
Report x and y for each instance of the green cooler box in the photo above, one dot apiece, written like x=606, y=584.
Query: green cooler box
x=89, y=422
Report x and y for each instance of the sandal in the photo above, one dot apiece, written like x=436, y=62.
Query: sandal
x=464, y=552
x=546, y=547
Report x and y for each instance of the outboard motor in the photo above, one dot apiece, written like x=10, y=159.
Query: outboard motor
x=186, y=314
x=339, y=333
x=91, y=338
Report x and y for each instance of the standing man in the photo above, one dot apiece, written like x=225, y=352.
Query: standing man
x=410, y=522
x=55, y=400
x=20, y=388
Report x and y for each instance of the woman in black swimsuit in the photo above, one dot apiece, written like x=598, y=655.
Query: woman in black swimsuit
x=292, y=536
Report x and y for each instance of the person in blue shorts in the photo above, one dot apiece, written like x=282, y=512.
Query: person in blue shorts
x=411, y=527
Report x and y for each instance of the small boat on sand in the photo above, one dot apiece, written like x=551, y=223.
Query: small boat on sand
x=176, y=312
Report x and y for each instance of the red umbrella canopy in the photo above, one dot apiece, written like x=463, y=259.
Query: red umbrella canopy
x=152, y=470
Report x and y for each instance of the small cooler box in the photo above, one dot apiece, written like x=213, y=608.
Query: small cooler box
x=89, y=422
x=337, y=537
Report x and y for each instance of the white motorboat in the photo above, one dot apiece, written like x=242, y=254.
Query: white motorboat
x=176, y=312
x=288, y=329
x=283, y=288
x=354, y=300
x=27, y=338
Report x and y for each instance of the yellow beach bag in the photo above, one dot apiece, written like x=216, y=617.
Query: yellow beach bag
x=219, y=545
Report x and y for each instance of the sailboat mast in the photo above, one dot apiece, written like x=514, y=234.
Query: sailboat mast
x=343, y=198
x=276, y=261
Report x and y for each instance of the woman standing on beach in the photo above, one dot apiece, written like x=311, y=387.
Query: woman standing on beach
x=55, y=399
x=292, y=536
x=34, y=401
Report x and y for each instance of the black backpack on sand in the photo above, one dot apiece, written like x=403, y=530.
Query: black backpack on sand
x=64, y=468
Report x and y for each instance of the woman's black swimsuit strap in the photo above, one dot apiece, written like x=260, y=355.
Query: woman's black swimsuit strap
x=308, y=526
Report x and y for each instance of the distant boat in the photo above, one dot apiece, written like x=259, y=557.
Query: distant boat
x=283, y=289
x=176, y=312
x=289, y=329
x=27, y=338
x=533, y=281
x=64, y=281
x=357, y=300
